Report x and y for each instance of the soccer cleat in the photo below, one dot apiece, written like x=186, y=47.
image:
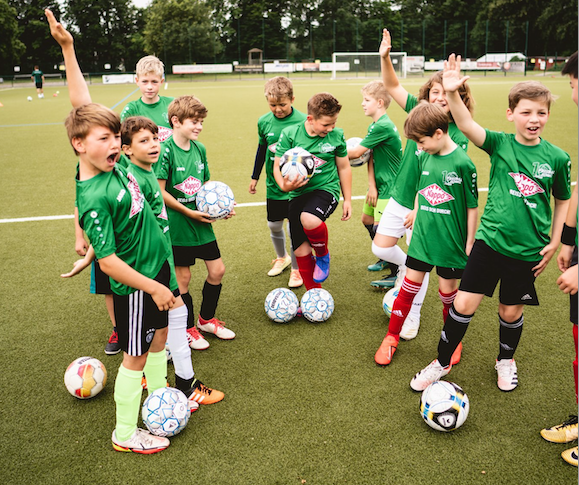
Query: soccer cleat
x=195, y=340
x=507, y=378
x=215, y=327
x=112, y=347
x=141, y=442
x=322, y=268
x=299, y=313
x=144, y=383
x=295, y=280
x=379, y=265
x=570, y=456
x=562, y=433
x=279, y=264
x=202, y=394
x=410, y=328
x=386, y=350
x=193, y=406
x=455, y=358
x=431, y=373
x=385, y=283
x=400, y=277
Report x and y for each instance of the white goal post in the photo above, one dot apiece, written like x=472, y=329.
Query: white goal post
x=365, y=64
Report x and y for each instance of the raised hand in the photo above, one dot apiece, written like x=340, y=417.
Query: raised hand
x=386, y=44
x=451, y=78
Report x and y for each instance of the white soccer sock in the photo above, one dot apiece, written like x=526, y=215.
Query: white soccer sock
x=177, y=340
x=392, y=254
x=419, y=298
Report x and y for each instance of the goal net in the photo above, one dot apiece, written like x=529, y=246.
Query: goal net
x=364, y=64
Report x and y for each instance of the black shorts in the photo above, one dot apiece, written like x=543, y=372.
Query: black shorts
x=277, y=210
x=138, y=317
x=38, y=85
x=186, y=255
x=443, y=272
x=100, y=284
x=485, y=267
x=320, y=203
x=573, y=299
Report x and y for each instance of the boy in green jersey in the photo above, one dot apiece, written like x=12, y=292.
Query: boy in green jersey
x=280, y=97
x=384, y=141
x=512, y=242
x=313, y=200
x=445, y=224
x=149, y=78
x=38, y=77
x=182, y=170
x=130, y=247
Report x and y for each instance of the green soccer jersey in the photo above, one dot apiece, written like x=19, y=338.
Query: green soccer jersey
x=269, y=128
x=156, y=112
x=404, y=191
x=185, y=171
x=37, y=74
x=517, y=216
x=446, y=189
x=117, y=220
x=383, y=138
x=324, y=151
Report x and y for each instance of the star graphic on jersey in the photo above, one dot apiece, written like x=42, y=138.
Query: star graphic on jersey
x=137, y=198
x=190, y=186
x=435, y=195
x=526, y=185
x=164, y=133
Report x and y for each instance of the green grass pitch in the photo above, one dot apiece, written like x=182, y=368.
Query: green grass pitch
x=305, y=403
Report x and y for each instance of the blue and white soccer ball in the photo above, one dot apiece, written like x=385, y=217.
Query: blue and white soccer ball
x=166, y=411
x=444, y=406
x=388, y=301
x=317, y=305
x=281, y=305
x=216, y=199
x=296, y=162
x=362, y=159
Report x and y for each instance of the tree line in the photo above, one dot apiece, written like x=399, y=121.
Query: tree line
x=116, y=32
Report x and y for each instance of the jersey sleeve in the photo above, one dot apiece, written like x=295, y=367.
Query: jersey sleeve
x=492, y=140
x=376, y=134
x=127, y=111
x=163, y=166
x=562, y=179
x=98, y=225
x=469, y=177
x=411, y=102
x=284, y=143
x=342, y=147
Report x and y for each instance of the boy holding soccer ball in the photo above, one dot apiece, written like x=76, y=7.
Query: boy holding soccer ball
x=313, y=200
x=280, y=97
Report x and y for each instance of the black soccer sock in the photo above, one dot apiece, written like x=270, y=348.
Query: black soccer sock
x=184, y=385
x=189, y=304
x=210, y=299
x=453, y=332
x=393, y=269
x=371, y=228
x=509, y=336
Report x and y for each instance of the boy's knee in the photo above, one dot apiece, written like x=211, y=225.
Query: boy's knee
x=309, y=221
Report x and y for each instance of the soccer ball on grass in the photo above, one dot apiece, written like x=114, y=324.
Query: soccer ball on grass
x=216, y=199
x=444, y=406
x=317, y=305
x=85, y=377
x=166, y=411
x=296, y=162
x=281, y=305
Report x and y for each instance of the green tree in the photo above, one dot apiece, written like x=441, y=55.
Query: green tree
x=11, y=47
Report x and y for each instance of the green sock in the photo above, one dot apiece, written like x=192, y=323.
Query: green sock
x=156, y=370
x=128, y=392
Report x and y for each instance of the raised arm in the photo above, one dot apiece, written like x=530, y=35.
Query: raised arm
x=389, y=78
x=77, y=87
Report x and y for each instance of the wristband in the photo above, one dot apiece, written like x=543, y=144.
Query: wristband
x=568, y=235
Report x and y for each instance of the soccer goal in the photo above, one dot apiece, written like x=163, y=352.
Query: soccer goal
x=364, y=64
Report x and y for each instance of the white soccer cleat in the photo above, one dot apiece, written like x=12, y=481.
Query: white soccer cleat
x=507, y=378
x=410, y=328
x=141, y=442
x=215, y=327
x=431, y=373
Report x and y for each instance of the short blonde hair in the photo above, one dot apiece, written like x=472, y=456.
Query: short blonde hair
x=424, y=120
x=150, y=65
x=323, y=104
x=186, y=107
x=81, y=120
x=377, y=90
x=533, y=90
x=279, y=87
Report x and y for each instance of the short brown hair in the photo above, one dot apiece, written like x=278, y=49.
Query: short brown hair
x=133, y=124
x=82, y=119
x=377, y=90
x=463, y=91
x=279, y=87
x=185, y=107
x=570, y=67
x=323, y=104
x=424, y=120
x=533, y=90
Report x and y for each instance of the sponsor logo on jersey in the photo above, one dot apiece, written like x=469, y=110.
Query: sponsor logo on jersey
x=163, y=214
x=190, y=186
x=137, y=197
x=164, y=133
x=272, y=147
x=451, y=178
x=526, y=185
x=327, y=148
x=318, y=162
x=542, y=170
x=435, y=195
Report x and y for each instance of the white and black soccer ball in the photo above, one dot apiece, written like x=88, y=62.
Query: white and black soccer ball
x=216, y=199
x=166, y=411
x=317, y=305
x=281, y=305
x=388, y=301
x=362, y=159
x=296, y=162
x=85, y=377
x=444, y=406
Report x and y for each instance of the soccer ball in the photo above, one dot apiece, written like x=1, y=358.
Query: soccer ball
x=166, y=411
x=216, y=199
x=362, y=159
x=444, y=406
x=388, y=301
x=317, y=305
x=296, y=162
x=29, y=98
x=281, y=305
x=85, y=377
